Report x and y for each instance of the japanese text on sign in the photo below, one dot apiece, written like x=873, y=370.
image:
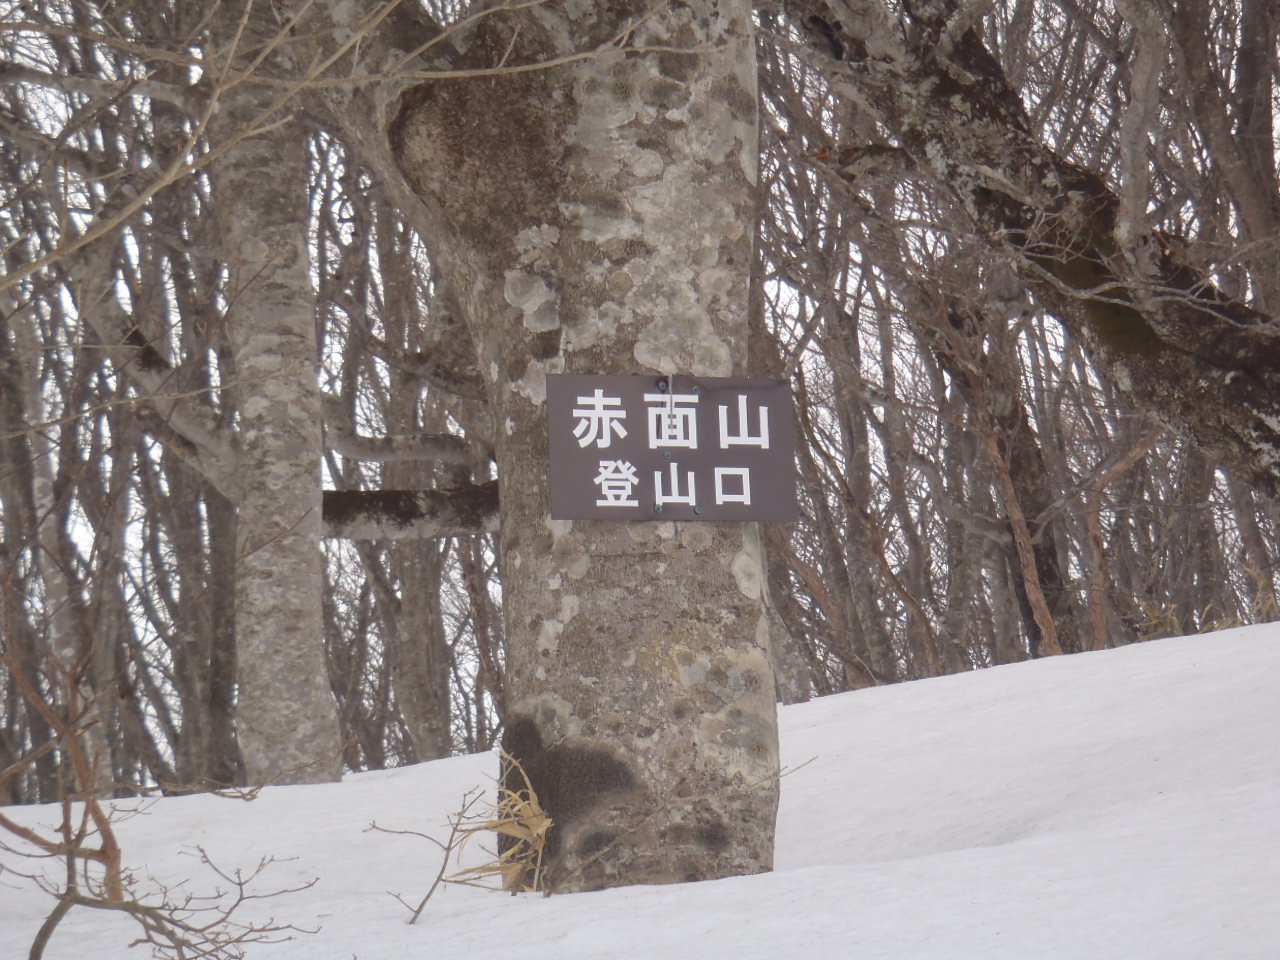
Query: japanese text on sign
x=637, y=447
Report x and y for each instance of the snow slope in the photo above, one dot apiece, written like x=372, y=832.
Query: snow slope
x=1123, y=804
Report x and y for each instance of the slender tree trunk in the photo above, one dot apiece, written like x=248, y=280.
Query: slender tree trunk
x=285, y=715
x=597, y=219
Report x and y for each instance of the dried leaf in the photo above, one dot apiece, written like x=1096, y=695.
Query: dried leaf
x=519, y=817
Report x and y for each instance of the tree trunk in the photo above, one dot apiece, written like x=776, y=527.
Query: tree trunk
x=285, y=716
x=597, y=219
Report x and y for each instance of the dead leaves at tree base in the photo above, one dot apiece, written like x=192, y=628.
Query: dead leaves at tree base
x=519, y=818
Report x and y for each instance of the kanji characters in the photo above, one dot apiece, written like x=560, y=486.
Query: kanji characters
x=639, y=448
x=742, y=438
x=597, y=423
x=617, y=482
x=743, y=477
x=673, y=495
x=673, y=420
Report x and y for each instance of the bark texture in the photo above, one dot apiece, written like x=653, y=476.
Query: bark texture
x=597, y=219
x=286, y=716
x=411, y=514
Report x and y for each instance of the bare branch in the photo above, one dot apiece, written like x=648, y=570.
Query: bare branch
x=411, y=514
x=440, y=448
x=97, y=87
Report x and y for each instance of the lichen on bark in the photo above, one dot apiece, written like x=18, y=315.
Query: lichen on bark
x=597, y=219
x=286, y=716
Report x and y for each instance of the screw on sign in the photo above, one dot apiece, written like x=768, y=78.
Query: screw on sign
x=679, y=448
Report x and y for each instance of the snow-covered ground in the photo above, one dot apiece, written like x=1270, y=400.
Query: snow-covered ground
x=1123, y=804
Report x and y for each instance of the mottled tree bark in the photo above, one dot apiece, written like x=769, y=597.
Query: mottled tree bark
x=285, y=716
x=597, y=219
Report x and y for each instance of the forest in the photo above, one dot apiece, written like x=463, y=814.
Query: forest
x=282, y=282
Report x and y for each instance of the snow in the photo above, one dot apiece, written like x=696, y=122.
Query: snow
x=1121, y=804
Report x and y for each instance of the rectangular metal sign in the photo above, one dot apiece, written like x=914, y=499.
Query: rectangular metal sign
x=671, y=448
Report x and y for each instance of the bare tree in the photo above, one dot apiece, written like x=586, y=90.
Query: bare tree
x=1178, y=343
x=1015, y=257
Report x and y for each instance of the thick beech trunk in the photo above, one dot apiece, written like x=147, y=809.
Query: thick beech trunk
x=597, y=219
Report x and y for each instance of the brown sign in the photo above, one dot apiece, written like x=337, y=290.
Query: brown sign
x=671, y=448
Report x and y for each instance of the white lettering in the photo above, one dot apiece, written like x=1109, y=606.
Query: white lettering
x=617, y=482
x=597, y=424
x=743, y=438
x=744, y=476
x=675, y=496
x=672, y=420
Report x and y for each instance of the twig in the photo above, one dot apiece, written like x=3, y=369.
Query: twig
x=456, y=838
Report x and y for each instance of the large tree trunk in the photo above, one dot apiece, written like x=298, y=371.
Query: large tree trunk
x=597, y=219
